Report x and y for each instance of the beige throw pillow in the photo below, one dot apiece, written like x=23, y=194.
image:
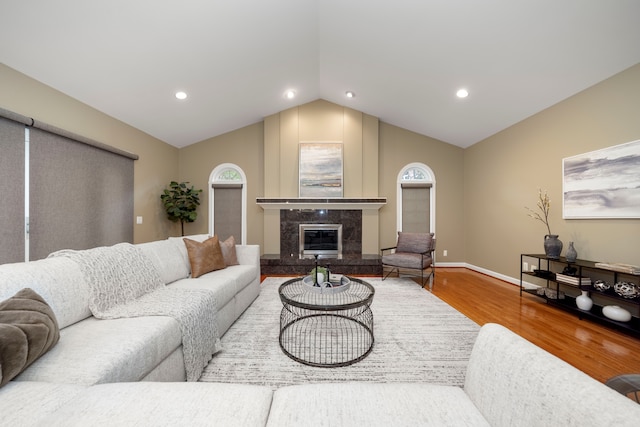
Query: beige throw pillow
x=229, y=251
x=204, y=257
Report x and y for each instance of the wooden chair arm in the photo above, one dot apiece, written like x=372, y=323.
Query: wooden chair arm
x=388, y=249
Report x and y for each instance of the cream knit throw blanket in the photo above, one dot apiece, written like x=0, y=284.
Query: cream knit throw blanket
x=124, y=283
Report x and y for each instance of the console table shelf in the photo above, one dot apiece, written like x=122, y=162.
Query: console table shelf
x=543, y=271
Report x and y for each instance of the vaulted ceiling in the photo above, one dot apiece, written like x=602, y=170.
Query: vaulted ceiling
x=403, y=59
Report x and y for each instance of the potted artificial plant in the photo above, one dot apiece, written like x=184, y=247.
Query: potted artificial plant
x=552, y=245
x=319, y=274
x=181, y=201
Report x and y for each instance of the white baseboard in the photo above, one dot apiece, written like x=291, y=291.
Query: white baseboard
x=504, y=278
x=450, y=264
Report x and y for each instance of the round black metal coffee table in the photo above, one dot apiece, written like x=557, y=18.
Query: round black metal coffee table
x=326, y=328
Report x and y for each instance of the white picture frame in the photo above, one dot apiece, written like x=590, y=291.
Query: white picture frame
x=320, y=172
x=603, y=183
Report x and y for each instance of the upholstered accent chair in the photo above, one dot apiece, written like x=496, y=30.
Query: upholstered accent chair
x=412, y=255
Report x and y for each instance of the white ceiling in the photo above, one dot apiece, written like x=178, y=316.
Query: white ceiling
x=404, y=59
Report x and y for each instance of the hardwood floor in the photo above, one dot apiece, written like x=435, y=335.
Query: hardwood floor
x=597, y=350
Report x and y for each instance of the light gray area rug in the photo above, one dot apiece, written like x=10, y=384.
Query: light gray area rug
x=418, y=338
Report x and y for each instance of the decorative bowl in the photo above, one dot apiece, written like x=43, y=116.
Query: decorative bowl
x=626, y=289
x=601, y=285
x=332, y=287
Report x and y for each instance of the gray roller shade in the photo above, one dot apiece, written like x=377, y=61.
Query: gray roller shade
x=81, y=196
x=416, y=208
x=227, y=211
x=12, y=182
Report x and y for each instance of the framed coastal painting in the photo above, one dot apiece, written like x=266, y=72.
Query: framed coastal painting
x=320, y=171
x=603, y=183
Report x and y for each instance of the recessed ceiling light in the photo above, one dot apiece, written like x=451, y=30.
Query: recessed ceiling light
x=181, y=95
x=290, y=94
x=350, y=94
x=462, y=93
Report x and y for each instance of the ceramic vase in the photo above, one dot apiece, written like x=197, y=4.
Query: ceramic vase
x=615, y=312
x=571, y=254
x=584, y=302
x=552, y=246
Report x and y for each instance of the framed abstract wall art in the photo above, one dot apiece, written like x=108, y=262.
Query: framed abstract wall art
x=320, y=171
x=603, y=183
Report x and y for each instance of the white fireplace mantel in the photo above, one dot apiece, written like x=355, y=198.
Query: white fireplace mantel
x=318, y=203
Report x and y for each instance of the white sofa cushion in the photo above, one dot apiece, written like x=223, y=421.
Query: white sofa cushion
x=515, y=383
x=26, y=403
x=245, y=274
x=168, y=259
x=222, y=286
x=58, y=280
x=248, y=254
x=167, y=404
x=101, y=351
x=225, y=283
x=372, y=404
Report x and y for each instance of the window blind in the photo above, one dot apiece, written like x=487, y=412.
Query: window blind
x=227, y=211
x=79, y=192
x=415, y=208
x=81, y=196
x=12, y=177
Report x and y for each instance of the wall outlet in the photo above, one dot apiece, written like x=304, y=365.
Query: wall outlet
x=525, y=266
x=444, y=253
x=139, y=220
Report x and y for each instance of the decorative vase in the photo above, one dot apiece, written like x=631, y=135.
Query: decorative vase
x=571, y=254
x=584, y=302
x=552, y=246
x=615, y=312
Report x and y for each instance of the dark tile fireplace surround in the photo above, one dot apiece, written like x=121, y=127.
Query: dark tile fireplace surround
x=288, y=262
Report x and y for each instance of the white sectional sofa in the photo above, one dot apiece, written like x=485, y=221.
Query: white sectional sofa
x=95, y=374
x=93, y=351
x=510, y=382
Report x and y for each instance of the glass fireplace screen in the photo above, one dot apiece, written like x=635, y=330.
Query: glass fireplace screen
x=324, y=240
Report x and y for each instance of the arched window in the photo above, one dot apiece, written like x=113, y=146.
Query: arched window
x=416, y=199
x=228, y=202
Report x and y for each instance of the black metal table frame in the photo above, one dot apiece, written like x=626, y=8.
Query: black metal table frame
x=326, y=330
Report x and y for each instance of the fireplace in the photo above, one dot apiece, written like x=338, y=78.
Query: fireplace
x=291, y=219
x=324, y=240
x=289, y=260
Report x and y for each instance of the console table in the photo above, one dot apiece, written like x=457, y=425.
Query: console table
x=547, y=273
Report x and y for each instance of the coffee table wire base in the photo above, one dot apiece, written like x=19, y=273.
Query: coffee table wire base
x=326, y=339
x=326, y=329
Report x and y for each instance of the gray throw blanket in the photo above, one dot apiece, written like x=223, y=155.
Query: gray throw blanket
x=28, y=329
x=124, y=283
